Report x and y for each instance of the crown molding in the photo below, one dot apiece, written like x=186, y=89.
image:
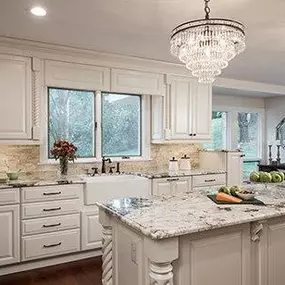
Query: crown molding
x=47, y=51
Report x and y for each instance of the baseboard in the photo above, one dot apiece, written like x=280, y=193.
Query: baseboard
x=24, y=266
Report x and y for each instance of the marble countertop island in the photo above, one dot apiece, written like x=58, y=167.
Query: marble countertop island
x=161, y=217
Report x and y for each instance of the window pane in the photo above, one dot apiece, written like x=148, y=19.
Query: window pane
x=219, y=132
x=248, y=167
x=121, y=125
x=71, y=117
x=248, y=134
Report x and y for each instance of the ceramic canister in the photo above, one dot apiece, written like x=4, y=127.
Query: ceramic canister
x=185, y=164
x=173, y=165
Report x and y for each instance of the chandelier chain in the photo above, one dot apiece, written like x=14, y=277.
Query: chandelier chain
x=207, y=9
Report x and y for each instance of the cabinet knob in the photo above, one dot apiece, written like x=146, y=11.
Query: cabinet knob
x=190, y=135
x=194, y=135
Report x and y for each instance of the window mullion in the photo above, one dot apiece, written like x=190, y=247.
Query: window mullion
x=98, y=130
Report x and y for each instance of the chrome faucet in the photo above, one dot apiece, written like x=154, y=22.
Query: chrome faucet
x=104, y=160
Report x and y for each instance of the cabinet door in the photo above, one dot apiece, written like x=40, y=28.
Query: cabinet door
x=181, y=185
x=202, y=112
x=161, y=186
x=181, y=119
x=216, y=257
x=15, y=89
x=9, y=234
x=234, y=168
x=269, y=254
x=91, y=232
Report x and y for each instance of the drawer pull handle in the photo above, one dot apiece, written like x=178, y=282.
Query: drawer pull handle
x=173, y=179
x=53, y=225
x=52, y=245
x=52, y=209
x=51, y=193
x=210, y=180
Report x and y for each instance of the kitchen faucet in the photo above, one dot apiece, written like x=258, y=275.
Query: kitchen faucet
x=104, y=160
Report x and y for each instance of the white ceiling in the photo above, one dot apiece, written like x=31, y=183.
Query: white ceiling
x=142, y=27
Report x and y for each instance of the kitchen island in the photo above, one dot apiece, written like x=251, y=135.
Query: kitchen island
x=188, y=239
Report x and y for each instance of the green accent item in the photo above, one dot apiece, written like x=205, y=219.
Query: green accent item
x=254, y=201
x=234, y=189
x=13, y=175
x=225, y=189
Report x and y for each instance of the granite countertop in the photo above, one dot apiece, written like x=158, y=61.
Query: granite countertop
x=162, y=217
x=220, y=150
x=167, y=173
x=24, y=183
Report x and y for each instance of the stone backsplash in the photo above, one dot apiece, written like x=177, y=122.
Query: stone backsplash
x=27, y=158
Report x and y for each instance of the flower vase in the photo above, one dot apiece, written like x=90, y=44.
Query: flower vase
x=63, y=163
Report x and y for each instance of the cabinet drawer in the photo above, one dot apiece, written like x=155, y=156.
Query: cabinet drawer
x=46, y=209
x=209, y=180
x=50, y=224
x=48, y=193
x=9, y=196
x=50, y=244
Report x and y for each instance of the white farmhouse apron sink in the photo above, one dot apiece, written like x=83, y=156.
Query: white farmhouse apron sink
x=102, y=188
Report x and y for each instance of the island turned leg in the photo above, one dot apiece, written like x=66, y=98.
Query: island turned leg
x=161, y=253
x=107, y=266
x=161, y=273
x=107, y=249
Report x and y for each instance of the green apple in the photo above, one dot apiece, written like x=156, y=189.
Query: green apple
x=254, y=176
x=282, y=175
x=225, y=189
x=265, y=177
x=234, y=190
x=276, y=178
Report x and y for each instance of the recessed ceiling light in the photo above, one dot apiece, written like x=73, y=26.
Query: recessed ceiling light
x=38, y=11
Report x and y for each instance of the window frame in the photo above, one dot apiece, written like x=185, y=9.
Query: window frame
x=232, y=132
x=145, y=128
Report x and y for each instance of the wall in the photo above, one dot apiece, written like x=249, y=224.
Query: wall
x=274, y=113
x=27, y=157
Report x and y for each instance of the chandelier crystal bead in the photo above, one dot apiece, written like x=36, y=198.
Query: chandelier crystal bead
x=207, y=45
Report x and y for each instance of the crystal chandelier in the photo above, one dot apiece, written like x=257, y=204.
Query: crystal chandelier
x=207, y=45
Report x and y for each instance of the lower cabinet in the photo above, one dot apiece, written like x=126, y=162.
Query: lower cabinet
x=215, y=257
x=269, y=251
x=51, y=244
x=9, y=234
x=91, y=230
x=170, y=186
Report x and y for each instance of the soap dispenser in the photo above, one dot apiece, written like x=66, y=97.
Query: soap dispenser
x=185, y=164
x=173, y=165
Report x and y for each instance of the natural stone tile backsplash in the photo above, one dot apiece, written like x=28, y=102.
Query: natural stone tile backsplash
x=27, y=158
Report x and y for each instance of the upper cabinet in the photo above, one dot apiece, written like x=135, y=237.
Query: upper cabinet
x=77, y=76
x=186, y=111
x=16, y=98
x=137, y=82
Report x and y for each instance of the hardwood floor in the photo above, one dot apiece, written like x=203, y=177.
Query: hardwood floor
x=83, y=272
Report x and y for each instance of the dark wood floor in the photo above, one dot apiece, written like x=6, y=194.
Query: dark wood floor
x=83, y=272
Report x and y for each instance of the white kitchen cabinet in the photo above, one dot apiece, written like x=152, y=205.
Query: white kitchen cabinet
x=171, y=186
x=16, y=104
x=77, y=76
x=229, y=161
x=191, y=109
x=137, y=82
x=185, y=113
x=218, y=257
x=91, y=233
x=268, y=252
x=9, y=234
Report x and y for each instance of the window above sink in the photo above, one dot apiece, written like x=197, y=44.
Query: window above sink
x=100, y=124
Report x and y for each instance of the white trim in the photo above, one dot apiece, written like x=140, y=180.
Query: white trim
x=145, y=133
